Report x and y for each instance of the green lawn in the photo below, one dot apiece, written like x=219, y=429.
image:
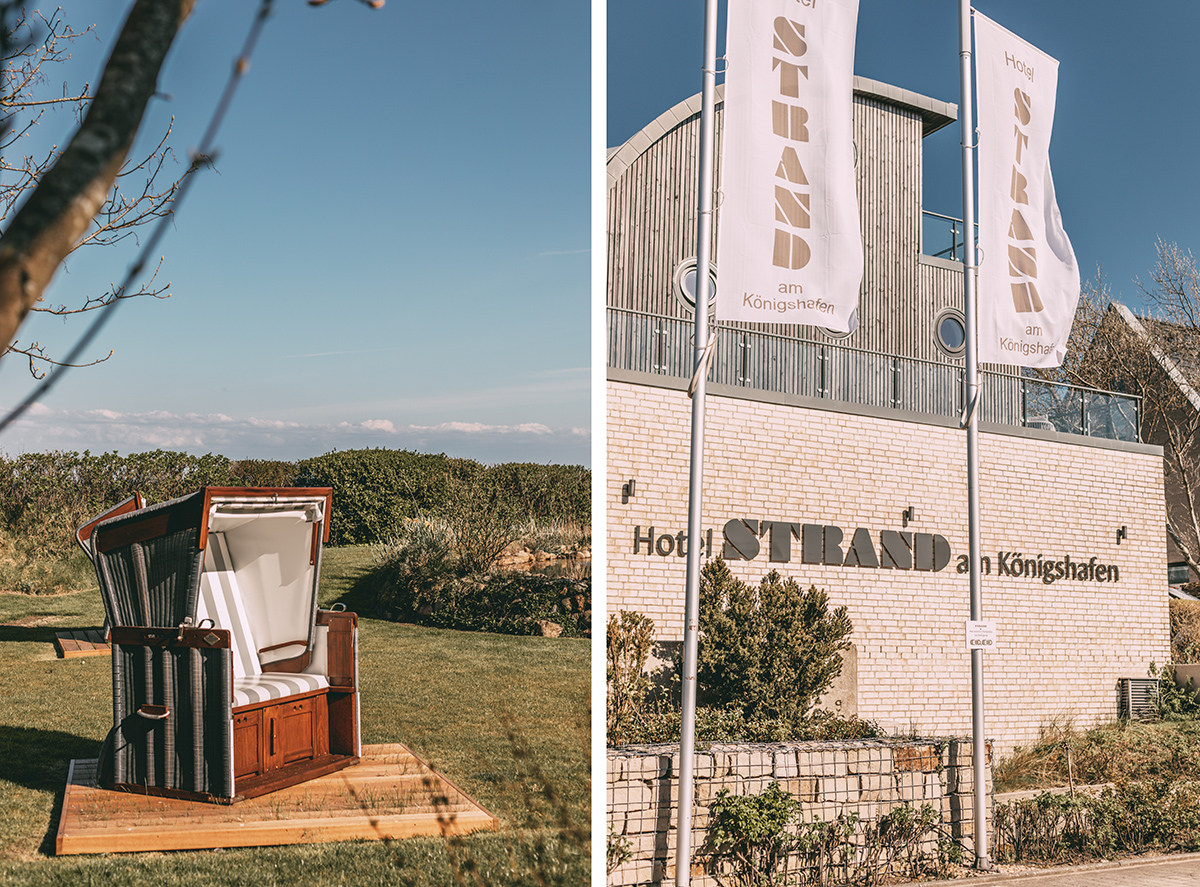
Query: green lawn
x=505, y=718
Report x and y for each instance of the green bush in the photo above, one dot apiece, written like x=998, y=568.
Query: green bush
x=769, y=651
x=754, y=834
x=374, y=490
x=262, y=473
x=506, y=603
x=630, y=639
x=731, y=725
x=44, y=497
x=762, y=840
x=1129, y=819
x=1185, y=631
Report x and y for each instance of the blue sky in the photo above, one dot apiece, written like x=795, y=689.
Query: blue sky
x=1125, y=132
x=393, y=251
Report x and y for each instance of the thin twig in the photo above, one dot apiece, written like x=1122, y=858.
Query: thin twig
x=203, y=156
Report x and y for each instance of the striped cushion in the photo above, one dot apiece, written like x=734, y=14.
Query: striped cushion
x=265, y=687
x=221, y=602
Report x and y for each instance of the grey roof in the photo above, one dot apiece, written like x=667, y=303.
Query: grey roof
x=934, y=113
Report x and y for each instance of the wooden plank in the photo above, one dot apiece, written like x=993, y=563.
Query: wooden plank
x=392, y=793
x=71, y=643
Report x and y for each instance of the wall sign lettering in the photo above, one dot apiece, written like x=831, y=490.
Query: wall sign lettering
x=827, y=545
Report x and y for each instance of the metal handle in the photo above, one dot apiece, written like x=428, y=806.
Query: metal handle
x=272, y=736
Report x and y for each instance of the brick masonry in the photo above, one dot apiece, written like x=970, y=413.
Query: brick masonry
x=1063, y=646
x=865, y=777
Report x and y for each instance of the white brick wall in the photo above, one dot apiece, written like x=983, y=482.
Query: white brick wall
x=1063, y=645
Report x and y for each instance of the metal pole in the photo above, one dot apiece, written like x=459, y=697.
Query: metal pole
x=965, y=120
x=691, y=616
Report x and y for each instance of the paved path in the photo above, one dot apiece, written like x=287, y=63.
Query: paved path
x=1161, y=871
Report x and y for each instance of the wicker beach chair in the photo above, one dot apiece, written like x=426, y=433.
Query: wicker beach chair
x=228, y=681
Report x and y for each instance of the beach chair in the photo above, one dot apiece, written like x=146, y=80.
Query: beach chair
x=228, y=680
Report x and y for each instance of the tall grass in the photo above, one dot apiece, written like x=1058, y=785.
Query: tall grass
x=1121, y=751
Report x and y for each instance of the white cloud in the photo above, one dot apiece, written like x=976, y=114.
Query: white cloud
x=101, y=430
x=378, y=425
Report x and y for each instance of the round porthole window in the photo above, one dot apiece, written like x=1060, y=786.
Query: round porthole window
x=950, y=332
x=683, y=282
x=839, y=334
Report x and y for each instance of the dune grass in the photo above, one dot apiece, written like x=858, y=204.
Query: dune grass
x=505, y=718
x=1117, y=752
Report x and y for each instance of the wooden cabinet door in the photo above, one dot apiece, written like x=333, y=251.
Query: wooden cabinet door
x=248, y=740
x=278, y=735
x=301, y=729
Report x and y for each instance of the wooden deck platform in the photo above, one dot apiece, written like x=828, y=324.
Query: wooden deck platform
x=81, y=642
x=391, y=794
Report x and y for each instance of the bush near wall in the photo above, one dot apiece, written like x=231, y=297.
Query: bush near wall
x=1185, y=631
x=45, y=496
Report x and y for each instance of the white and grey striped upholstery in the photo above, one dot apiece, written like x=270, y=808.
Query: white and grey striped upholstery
x=221, y=602
x=265, y=687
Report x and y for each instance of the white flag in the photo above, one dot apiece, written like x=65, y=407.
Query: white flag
x=1028, y=277
x=789, y=248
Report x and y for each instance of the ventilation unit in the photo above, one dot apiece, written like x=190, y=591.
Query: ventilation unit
x=1137, y=698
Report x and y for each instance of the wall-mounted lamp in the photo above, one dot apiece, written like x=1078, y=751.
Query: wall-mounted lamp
x=1122, y=533
x=627, y=490
x=908, y=515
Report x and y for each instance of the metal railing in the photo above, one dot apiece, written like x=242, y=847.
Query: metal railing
x=944, y=236
x=651, y=343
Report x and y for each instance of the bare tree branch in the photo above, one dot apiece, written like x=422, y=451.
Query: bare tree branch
x=1157, y=357
x=64, y=203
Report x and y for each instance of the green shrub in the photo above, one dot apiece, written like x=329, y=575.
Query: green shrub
x=763, y=840
x=421, y=577
x=482, y=517
x=1129, y=819
x=1172, y=701
x=630, y=639
x=731, y=725
x=1185, y=631
x=414, y=567
x=263, y=473
x=769, y=651
x=374, y=490
x=507, y=603
x=547, y=492
x=44, y=497
x=754, y=834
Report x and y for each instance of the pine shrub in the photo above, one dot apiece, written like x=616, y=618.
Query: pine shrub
x=769, y=651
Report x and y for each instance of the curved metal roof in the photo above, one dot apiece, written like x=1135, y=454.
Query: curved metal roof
x=934, y=114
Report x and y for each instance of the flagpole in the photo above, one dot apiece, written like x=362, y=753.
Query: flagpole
x=970, y=315
x=691, y=623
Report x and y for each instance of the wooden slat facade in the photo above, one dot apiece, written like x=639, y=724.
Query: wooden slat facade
x=652, y=206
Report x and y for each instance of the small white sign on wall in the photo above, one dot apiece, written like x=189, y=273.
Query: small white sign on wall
x=981, y=635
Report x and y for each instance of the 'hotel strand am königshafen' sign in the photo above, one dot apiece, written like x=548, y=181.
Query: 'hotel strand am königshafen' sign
x=825, y=545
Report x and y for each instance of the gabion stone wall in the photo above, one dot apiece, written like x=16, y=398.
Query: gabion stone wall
x=866, y=777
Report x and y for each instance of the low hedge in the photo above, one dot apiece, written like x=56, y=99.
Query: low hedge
x=45, y=496
x=517, y=603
